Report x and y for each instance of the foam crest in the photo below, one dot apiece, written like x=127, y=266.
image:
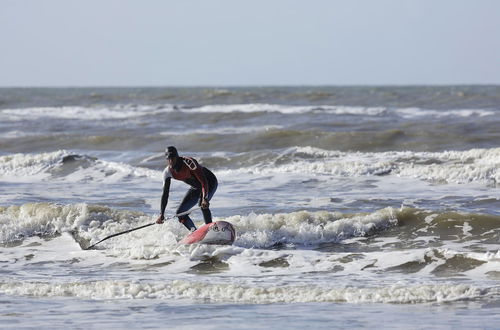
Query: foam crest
x=417, y=112
x=17, y=222
x=123, y=170
x=47, y=219
x=307, y=228
x=91, y=223
x=223, y=130
x=289, y=109
x=27, y=165
x=237, y=293
x=253, y=231
x=475, y=165
x=408, y=113
x=84, y=113
x=71, y=167
x=124, y=111
x=453, y=166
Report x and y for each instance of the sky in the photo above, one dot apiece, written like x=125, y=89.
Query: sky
x=70, y=43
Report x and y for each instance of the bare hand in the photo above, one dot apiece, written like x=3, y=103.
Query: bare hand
x=160, y=219
x=205, y=204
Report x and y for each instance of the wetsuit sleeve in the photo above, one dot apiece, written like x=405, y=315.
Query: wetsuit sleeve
x=166, y=190
x=200, y=175
x=197, y=170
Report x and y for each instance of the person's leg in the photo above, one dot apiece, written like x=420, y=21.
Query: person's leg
x=207, y=214
x=190, y=200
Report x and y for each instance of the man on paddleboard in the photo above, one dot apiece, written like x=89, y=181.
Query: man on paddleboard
x=202, y=181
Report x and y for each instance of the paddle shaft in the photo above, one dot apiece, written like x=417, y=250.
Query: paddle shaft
x=143, y=226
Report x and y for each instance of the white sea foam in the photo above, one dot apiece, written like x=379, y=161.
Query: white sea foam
x=225, y=292
x=39, y=218
x=306, y=228
x=131, y=111
x=93, y=222
x=253, y=275
x=222, y=130
x=340, y=110
x=14, y=134
x=29, y=167
x=289, y=109
x=475, y=165
x=417, y=112
x=20, y=221
x=83, y=113
x=122, y=170
x=453, y=166
x=18, y=167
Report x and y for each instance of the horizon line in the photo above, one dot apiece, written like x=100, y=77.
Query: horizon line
x=250, y=86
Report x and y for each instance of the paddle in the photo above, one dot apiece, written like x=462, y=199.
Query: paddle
x=143, y=226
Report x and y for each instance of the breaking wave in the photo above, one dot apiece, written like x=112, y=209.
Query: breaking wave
x=84, y=113
x=475, y=165
x=124, y=111
x=92, y=222
x=72, y=166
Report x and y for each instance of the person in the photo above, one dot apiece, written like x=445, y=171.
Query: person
x=202, y=181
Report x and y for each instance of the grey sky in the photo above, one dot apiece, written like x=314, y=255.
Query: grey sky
x=231, y=42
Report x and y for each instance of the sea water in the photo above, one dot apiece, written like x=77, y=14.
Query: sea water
x=353, y=206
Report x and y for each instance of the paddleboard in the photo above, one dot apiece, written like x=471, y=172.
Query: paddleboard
x=219, y=232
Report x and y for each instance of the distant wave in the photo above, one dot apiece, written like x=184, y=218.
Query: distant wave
x=132, y=111
x=416, y=112
x=475, y=165
x=340, y=110
x=289, y=109
x=84, y=113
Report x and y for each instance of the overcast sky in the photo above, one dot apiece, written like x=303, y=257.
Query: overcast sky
x=257, y=42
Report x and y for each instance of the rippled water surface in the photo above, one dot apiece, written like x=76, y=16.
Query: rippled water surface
x=354, y=207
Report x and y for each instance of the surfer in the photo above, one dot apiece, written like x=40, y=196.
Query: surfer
x=202, y=181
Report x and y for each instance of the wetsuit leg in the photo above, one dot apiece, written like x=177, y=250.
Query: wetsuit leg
x=207, y=215
x=212, y=183
x=190, y=200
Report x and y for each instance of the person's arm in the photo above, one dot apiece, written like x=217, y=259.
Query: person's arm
x=200, y=176
x=164, y=196
x=198, y=173
x=164, y=200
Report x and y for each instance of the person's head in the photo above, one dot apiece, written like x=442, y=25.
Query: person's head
x=172, y=155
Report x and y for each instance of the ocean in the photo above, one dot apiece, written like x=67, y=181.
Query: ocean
x=355, y=207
